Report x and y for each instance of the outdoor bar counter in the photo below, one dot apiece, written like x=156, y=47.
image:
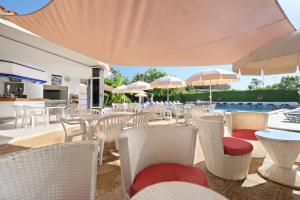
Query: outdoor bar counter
x=22, y=99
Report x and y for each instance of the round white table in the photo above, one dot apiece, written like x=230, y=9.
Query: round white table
x=177, y=191
x=282, y=149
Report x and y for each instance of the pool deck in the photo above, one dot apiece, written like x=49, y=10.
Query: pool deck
x=278, y=121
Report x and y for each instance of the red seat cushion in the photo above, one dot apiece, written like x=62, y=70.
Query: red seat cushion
x=236, y=147
x=246, y=134
x=167, y=172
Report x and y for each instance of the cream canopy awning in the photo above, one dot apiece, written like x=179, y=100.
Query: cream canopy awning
x=158, y=33
x=279, y=56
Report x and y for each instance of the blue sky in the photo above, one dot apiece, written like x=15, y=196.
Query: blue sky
x=291, y=8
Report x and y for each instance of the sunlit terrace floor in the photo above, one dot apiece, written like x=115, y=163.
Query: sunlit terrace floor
x=109, y=178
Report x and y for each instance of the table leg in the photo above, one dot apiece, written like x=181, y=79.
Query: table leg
x=278, y=164
x=47, y=116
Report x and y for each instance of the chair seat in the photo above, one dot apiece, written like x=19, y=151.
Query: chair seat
x=167, y=172
x=236, y=147
x=76, y=133
x=246, y=134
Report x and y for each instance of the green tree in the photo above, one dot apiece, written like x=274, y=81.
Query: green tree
x=115, y=80
x=255, y=84
x=150, y=75
x=289, y=82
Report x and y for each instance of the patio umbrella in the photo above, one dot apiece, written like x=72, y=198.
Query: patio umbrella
x=108, y=88
x=120, y=89
x=141, y=95
x=138, y=86
x=168, y=82
x=279, y=56
x=212, y=77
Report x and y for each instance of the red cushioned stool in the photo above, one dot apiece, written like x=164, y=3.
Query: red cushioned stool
x=167, y=172
x=236, y=147
x=246, y=134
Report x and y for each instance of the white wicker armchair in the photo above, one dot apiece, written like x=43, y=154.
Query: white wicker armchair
x=248, y=121
x=143, y=146
x=60, y=171
x=211, y=132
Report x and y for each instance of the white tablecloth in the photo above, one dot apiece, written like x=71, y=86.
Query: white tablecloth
x=177, y=191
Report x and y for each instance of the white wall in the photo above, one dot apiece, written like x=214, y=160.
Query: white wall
x=73, y=85
x=33, y=90
x=2, y=80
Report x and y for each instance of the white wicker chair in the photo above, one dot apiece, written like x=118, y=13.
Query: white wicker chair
x=109, y=128
x=60, y=171
x=249, y=120
x=70, y=134
x=139, y=119
x=143, y=146
x=31, y=115
x=210, y=133
x=109, y=110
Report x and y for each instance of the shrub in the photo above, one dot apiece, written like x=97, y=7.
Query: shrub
x=275, y=95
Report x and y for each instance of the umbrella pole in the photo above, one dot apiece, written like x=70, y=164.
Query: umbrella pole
x=210, y=95
x=168, y=95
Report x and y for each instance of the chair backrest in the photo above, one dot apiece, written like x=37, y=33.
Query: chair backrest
x=210, y=134
x=247, y=120
x=158, y=108
x=96, y=111
x=140, y=119
x=211, y=108
x=19, y=111
x=72, y=121
x=108, y=110
x=60, y=171
x=112, y=125
x=27, y=111
x=143, y=146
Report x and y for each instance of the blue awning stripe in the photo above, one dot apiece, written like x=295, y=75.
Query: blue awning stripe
x=12, y=62
x=23, y=78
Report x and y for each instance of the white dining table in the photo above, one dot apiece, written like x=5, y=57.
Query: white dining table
x=48, y=113
x=177, y=191
x=283, y=147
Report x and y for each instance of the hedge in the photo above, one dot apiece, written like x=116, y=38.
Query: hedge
x=275, y=95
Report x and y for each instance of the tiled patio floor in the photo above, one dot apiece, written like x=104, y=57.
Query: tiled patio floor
x=109, y=183
x=109, y=178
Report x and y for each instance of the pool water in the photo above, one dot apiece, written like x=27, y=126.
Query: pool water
x=231, y=109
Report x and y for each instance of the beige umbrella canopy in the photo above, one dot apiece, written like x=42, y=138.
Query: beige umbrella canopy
x=168, y=82
x=212, y=77
x=279, y=56
x=120, y=89
x=141, y=95
x=108, y=88
x=138, y=86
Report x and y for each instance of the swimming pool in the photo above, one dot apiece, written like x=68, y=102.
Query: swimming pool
x=236, y=109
